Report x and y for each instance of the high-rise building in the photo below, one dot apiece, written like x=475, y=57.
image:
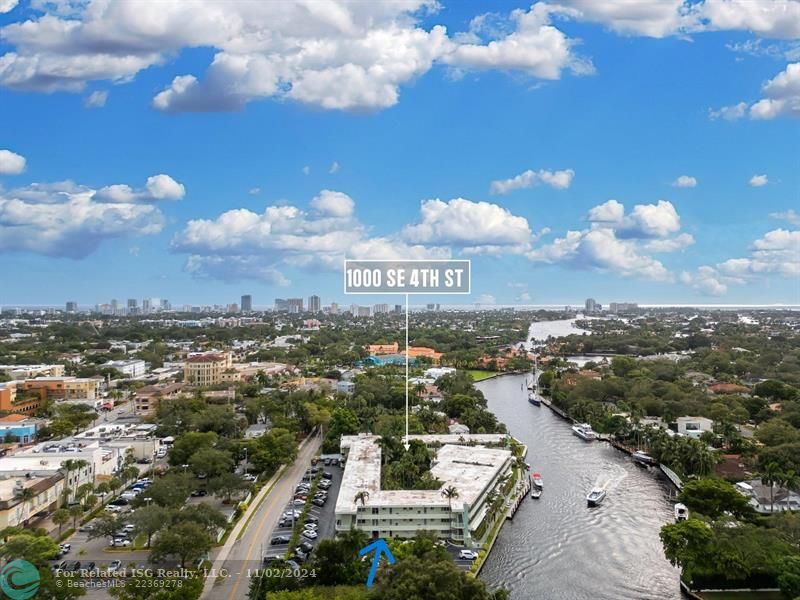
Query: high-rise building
x=114, y=305
x=380, y=309
x=247, y=303
x=363, y=311
x=281, y=305
x=295, y=305
x=314, y=304
x=132, y=304
x=398, y=309
x=165, y=305
x=622, y=307
x=334, y=310
x=232, y=308
x=72, y=307
x=591, y=306
x=147, y=307
x=430, y=306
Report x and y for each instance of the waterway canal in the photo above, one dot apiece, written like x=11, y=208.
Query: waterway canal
x=558, y=549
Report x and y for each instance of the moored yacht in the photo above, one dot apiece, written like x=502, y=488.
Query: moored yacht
x=536, y=493
x=596, y=496
x=681, y=512
x=536, y=478
x=584, y=431
x=643, y=458
x=533, y=385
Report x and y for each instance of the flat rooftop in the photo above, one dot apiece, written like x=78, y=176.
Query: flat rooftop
x=469, y=469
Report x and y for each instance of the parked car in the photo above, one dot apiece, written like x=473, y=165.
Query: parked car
x=467, y=555
x=327, y=475
x=299, y=555
x=87, y=527
x=129, y=527
x=309, y=533
x=114, y=565
x=143, y=461
x=197, y=493
x=306, y=547
x=299, y=502
x=311, y=519
x=311, y=526
x=89, y=567
x=120, y=542
x=324, y=484
x=294, y=566
x=279, y=539
x=318, y=502
x=249, y=477
x=327, y=462
x=65, y=548
x=113, y=508
x=72, y=566
x=285, y=522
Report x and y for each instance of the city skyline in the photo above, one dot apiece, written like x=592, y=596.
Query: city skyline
x=565, y=161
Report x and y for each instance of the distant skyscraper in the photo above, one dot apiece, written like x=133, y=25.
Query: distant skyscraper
x=398, y=308
x=165, y=305
x=247, y=303
x=281, y=305
x=295, y=305
x=314, y=304
x=380, y=309
x=147, y=307
x=72, y=307
x=334, y=308
x=114, y=305
x=591, y=305
x=132, y=304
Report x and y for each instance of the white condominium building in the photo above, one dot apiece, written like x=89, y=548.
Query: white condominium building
x=473, y=470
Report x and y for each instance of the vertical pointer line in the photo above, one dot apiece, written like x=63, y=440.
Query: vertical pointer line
x=407, y=350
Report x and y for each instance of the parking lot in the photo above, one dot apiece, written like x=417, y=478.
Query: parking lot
x=325, y=514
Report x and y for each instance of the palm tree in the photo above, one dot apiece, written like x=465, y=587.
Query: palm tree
x=450, y=493
x=770, y=476
x=75, y=512
x=26, y=496
x=60, y=517
x=361, y=496
x=103, y=489
x=790, y=480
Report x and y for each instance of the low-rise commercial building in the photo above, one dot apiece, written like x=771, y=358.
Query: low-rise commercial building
x=31, y=371
x=17, y=506
x=148, y=398
x=129, y=368
x=209, y=368
x=19, y=428
x=28, y=395
x=473, y=470
x=694, y=426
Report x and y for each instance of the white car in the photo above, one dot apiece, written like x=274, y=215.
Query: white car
x=311, y=526
x=120, y=542
x=310, y=534
x=129, y=527
x=249, y=477
x=467, y=555
x=113, y=508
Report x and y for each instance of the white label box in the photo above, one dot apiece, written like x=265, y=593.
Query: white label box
x=407, y=276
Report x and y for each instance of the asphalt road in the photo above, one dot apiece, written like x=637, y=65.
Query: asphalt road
x=325, y=514
x=247, y=552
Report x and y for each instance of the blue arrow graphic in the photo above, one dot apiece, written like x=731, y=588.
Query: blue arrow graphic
x=380, y=547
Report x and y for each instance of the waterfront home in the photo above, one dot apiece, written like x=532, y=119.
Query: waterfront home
x=694, y=427
x=766, y=499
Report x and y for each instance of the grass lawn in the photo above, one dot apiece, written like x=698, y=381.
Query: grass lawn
x=479, y=375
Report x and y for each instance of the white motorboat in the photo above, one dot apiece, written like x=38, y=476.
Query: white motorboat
x=584, y=431
x=536, y=493
x=536, y=478
x=681, y=512
x=596, y=497
x=644, y=459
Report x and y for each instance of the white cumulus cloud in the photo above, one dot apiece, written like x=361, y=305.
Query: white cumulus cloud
x=68, y=220
x=96, y=99
x=759, y=180
x=11, y=163
x=474, y=226
x=790, y=216
x=685, y=181
x=781, y=98
x=556, y=179
x=157, y=187
x=335, y=204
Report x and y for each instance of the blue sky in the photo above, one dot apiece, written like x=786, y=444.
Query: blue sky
x=596, y=111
